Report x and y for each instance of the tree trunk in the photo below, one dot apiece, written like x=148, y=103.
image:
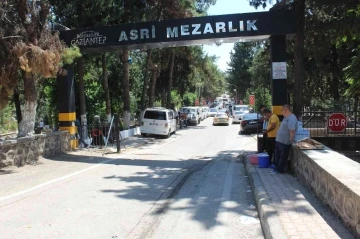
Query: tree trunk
x=126, y=91
x=17, y=105
x=152, y=87
x=171, y=72
x=83, y=118
x=106, y=88
x=200, y=95
x=145, y=85
x=27, y=123
x=163, y=96
x=299, y=6
x=336, y=74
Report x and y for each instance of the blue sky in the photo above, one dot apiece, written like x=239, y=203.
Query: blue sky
x=227, y=7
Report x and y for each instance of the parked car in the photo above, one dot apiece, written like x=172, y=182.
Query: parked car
x=238, y=116
x=244, y=108
x=193, y=114
x=213, y=112
x=251, y=123
x=206, y=111
x=202, y=113
x=221, y=118
x=158, y=121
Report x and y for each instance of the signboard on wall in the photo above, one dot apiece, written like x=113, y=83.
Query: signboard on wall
x=279, y=70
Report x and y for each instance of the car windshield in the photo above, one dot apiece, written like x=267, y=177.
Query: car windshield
x=193, y=110
x=213, y=110
x=221, y=115
x=241, y=108
x=251, y=116
x=185, y=110
x=239, y=112
x=155, y=115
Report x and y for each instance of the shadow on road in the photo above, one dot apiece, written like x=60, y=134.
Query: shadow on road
x=6, y=171
x=164, y=185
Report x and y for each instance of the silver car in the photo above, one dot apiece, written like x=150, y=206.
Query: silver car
x=193, y=114
x=238, y=116
x=213, y=112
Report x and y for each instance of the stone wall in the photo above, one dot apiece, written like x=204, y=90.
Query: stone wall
x=28, y=149
x=334, y=179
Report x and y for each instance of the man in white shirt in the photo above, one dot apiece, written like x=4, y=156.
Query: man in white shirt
x=41, y=124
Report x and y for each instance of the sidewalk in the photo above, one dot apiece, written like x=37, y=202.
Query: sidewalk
x=288, y=210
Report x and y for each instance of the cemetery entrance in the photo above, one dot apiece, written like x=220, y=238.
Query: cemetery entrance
x=277, y=25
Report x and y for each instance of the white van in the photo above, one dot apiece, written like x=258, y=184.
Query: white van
x=159, y=121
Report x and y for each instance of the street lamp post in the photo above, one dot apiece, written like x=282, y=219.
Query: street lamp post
x=235, y=90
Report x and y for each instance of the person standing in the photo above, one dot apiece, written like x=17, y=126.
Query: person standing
x=263, y=146
x=284, y=138
x=271, y=131
x=41, y=124
x=79, y=133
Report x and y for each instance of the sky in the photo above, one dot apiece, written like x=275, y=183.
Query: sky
x=223, y=7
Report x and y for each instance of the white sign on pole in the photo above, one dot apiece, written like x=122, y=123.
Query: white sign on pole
x=279, y=70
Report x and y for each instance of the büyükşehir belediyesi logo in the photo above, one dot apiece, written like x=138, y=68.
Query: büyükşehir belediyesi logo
x=88, y=38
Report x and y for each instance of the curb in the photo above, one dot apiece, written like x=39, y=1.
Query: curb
x=269, y=219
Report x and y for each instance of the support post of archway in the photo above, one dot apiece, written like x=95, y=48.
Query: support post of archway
x=278, y=73
x=66, y=104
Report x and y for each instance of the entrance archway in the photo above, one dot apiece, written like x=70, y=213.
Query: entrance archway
x=274, y=25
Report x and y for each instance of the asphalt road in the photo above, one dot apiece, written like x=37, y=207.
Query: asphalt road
x=191, y=185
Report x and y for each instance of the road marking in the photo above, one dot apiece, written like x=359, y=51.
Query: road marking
x=222, y=228
x=54, y=180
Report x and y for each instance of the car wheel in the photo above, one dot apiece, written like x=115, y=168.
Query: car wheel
x=227, y=125
x=168, y=135
x=143, y=134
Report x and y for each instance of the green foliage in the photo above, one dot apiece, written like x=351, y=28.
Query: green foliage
x=189, y=99
x=239, y=67
x=175, y=99
x=353, y=75
x=7, y=119
x=70, y=54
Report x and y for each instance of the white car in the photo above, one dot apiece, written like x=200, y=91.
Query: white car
x=212, y=112
x=238, y=116
x=158, y=121
x=244, y=108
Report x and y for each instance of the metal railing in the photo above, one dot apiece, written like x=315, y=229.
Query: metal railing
x=315, y=119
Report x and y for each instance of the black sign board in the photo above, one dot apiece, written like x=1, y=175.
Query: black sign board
x=182, y=32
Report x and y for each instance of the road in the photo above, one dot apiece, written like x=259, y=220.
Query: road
x=191, y=185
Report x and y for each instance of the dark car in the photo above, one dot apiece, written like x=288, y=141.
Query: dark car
x=251, y=123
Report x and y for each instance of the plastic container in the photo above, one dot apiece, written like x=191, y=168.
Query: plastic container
x=253, y=158
x=263, y=160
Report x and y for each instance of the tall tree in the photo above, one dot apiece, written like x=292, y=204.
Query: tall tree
x=34, y=49
x=299, y=7
x=145, y=82
x=171, y=72
x=106, y=86
x=239, y=65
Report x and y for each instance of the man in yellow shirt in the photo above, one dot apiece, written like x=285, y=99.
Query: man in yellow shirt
x=271, y=131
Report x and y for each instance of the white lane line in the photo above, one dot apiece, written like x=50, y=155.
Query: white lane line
x=222, y=218
x=54, y=180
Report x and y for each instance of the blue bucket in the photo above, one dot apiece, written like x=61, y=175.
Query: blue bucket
x=263, y=160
